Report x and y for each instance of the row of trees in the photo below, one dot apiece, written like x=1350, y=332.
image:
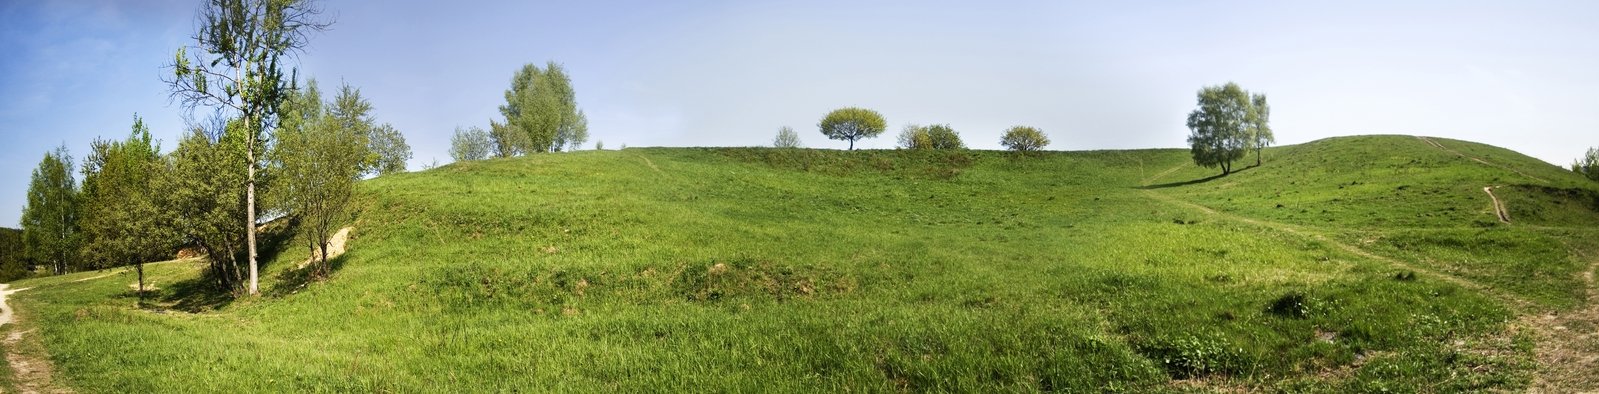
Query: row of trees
x=268, y=135
x=853, y=124
x=13, y=264
x=1228, y=123
x=541, y=115
x=135, y=204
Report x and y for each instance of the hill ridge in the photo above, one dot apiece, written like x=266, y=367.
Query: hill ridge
x=1348, y=264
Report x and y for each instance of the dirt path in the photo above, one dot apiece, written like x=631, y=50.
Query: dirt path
x=96, y=277
x=5, y=307
x=30, y=374
x=335, y=247
x=1499, y=207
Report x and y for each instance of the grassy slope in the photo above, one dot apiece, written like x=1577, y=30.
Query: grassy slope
x=768, y=270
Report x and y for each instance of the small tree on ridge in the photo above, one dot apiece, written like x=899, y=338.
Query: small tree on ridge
x=786, y=138
x=1024, y=139
x=852, y=124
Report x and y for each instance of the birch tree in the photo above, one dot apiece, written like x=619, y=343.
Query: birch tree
x=240, y=63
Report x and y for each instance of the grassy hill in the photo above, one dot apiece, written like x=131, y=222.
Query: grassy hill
x=1346, y=264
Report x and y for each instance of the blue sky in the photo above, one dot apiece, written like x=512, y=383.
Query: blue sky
x=1093, y=75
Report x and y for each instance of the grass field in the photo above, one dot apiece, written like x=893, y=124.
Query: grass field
x=1349, y=264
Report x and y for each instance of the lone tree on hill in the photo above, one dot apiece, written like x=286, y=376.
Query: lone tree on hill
x=50, y=220
x=1588, y=165
x=786, y=138
x=1259, y=124
x=1024, y=139
x=1220, y=127
x=852, y=124
x=240, y=65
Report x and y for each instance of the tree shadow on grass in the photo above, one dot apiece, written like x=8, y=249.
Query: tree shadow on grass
x=274, y=238
x=202, y=293
x=198, y=294
x=294, y=280
x=1194, y=181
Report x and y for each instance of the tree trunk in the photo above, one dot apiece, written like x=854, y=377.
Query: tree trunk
x=250, y=189
x=249, y=209
x=1257, y=157
x=852, y=144
x=324, y=267
x=140, y=268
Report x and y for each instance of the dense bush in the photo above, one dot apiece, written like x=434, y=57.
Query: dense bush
x=938, y=136
x=1024, y=139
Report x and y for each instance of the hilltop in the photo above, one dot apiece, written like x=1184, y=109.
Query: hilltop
x=1346, y=264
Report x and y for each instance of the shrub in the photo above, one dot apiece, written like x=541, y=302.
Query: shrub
x=1294, y=305
x=786, y=138
x=936, y=136
x=470, y=144
x=1588, y=164
x=1024, y=139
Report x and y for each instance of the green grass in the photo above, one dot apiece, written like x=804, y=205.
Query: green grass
x=800, y=270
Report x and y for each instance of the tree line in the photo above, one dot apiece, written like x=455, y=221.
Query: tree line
x=268, y=136
x=540, y=116
x=854, y=123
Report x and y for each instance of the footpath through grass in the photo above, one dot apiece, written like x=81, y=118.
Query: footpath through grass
x=803, y=270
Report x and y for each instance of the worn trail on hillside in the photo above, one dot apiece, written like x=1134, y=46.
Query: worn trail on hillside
x=651, y=164
x=1518, y=302
x=1568, y=343
x=1499, y=207
x=1435, y=144
x=1291, y=229
x=30, y=374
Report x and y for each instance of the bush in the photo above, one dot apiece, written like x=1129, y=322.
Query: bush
x=786, y=138
x=1294, y=305
x=936, y=136
x=1588, y=164
x=1190, y=356
x=470, y=144
x=1024, y=139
